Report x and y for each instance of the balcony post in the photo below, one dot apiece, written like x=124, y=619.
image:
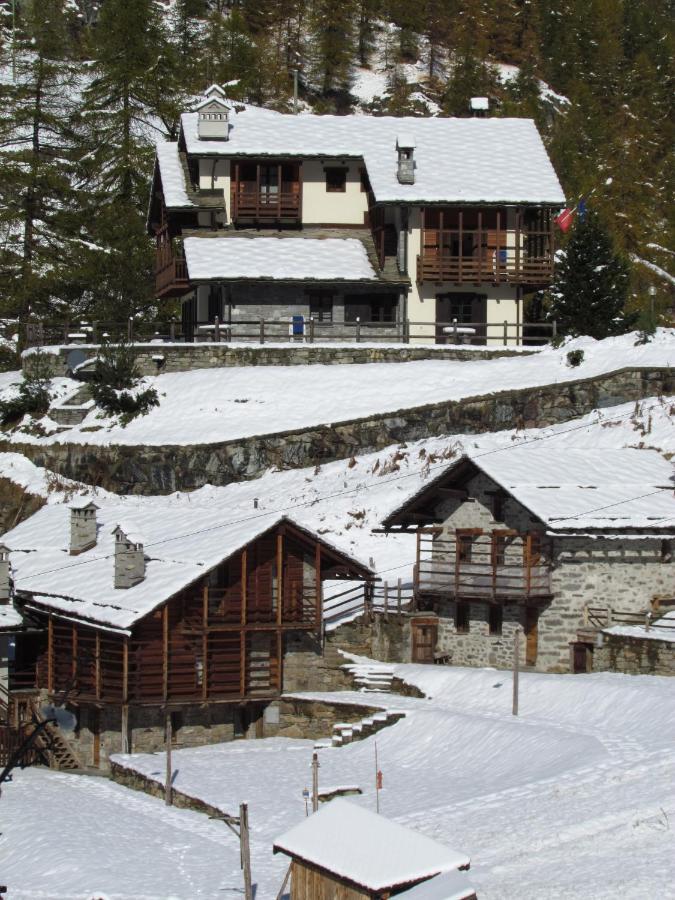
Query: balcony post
x=497, y=247
x=480, y=244
x=518, y=216
x=461, y=244
x=506, y=332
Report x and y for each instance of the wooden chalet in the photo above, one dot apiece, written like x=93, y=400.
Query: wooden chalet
x=456, y=217
x=528, y=539
x=347, y=852
x=179, y=622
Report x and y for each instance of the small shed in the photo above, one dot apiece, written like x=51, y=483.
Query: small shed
x=345, y=852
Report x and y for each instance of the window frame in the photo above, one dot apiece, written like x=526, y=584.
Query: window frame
x=462, y=617
x=335, y=187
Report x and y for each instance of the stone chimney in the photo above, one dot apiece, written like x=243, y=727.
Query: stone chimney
x=479, y=107
x=4, y=573
x=405, y=145
x=129, y=557
x=213, y=123
x=82, y=525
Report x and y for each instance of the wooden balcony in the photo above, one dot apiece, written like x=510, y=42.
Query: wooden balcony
x=265, y=207
x=171, y=279
x=496, y=566
x=487, y=267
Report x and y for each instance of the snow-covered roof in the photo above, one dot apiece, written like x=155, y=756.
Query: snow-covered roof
x=457, y=160
x=448, y=886
x=573, y=489
x=367, y=849
x=279, y=259
x=172, y=175
x=10, y=618
x=180, y=546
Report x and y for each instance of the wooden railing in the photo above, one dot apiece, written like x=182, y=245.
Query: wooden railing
x=171, y=278
x=504, y=269
x=261, y=206
x=358, y=599
x=487, y=566
x=606, y=616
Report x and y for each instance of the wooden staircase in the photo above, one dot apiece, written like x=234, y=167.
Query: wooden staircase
x=51, y=743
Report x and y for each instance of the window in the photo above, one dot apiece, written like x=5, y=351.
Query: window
x=321, y=307
x=498, y=501
x=464, y=547
x=369, y=308
x=336, y=180
x=495, y=619
x=462, y=617
x=499, y=545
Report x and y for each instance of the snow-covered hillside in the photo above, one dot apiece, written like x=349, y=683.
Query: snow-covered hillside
x=211, y=405
x=572, y=800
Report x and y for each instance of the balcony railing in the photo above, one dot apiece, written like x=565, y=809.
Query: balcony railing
x=497, y=566
x=171, y=279
x=265, y=206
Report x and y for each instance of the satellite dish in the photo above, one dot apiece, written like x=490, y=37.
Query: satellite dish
x=63, y=717
x=74, y=359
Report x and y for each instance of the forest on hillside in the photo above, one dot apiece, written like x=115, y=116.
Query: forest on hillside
x=88, y=86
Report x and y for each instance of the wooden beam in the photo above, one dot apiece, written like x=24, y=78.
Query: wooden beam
x=242, y=663
x=165, y=651
x=244, y=577
x=98, y=665
x=50, y=654
x=280, y=578
x=317, y=584
x=205, y=644
x=125, y=670
x=73, y=670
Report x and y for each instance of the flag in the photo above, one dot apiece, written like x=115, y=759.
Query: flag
x=581, y=210
x=564, y=220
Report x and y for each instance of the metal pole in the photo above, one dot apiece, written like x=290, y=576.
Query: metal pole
x=516, y=664
x=168, y=799
x=245, y=848
x=315, y=782
x=377, y=783
x=295, y=92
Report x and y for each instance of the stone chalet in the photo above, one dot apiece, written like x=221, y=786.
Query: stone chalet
x=537, y=537
x=397, y=226
x=176, y=613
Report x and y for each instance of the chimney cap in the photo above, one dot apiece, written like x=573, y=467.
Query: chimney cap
x=405, y=142
x=129, y=532
x=4, y=548
x=478, y=103
x=79, y=503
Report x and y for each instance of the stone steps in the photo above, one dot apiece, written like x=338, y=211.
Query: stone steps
x=348, y=732
x=73, y=409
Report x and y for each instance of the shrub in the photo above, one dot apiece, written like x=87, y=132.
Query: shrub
x=115, y=374
x=33, y=395
x=575, y=358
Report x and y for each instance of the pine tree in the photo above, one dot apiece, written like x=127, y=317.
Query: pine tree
x=590, y=287
x=332, y=40
x=37, y=191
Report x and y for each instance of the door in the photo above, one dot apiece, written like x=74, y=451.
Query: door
x=470, y=311
x=94, y=716
x=423, y=641
x=531, y=635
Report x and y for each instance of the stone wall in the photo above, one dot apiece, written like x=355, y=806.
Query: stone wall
x=150, y=470
x=186, y=357
x=634, y=656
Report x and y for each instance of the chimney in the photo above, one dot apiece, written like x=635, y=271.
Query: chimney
x=479, y=107
x=129, y=557
x=82, y=525
x=213, y=123
x=405, y=145
x=4, y=573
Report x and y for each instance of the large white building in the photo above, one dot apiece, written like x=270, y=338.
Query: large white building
x=403, y=225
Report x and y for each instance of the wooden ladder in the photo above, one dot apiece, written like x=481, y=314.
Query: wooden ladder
x=54, y=746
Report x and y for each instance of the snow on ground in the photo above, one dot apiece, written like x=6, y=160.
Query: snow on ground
x=573, y=799
x=211, y=405
x=344, y=500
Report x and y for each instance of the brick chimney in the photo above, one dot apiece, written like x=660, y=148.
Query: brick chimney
x=405, y=146
x=82, y=526
x=4, y=573
x=129, y=557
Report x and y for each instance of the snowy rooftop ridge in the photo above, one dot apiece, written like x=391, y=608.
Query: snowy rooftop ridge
x=457, y=160
x=279, y=259
x=569, y=489
x=172, y=175
x=367, y=849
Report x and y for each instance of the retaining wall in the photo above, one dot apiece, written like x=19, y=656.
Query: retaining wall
x=634, y=656
x=150, y=470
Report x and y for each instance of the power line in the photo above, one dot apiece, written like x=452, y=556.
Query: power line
x=385, y=481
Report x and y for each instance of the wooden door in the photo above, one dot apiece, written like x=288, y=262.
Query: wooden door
x=423, y=641
x=94, y=718
x=531, y=634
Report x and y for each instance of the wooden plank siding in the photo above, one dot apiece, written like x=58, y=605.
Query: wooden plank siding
x=308, y=882
x=220, y=639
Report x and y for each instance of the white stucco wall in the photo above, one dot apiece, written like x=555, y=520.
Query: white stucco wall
x=320, y=206
x=215, y=174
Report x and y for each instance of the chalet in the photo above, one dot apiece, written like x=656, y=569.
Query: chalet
x=347, y=852
x=533, y=538
x=400, y=226
x=176, y=613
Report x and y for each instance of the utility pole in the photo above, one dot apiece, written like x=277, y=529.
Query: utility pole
x=168, y=788
x=245, y=848
x=295, y=92
x=315, y=782
x=516, y=664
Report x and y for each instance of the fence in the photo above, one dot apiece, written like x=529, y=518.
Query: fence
x=40, y=333
x=348, y=600
x=605, y=617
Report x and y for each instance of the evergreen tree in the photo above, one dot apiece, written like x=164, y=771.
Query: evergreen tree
x=590, y=287
x=37, y=192
x=332, y=43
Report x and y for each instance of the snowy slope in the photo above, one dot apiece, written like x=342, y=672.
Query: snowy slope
x=573, y=800
x=211, y=405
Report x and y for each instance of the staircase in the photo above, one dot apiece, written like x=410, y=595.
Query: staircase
x=51, y=743
x=348, y=732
